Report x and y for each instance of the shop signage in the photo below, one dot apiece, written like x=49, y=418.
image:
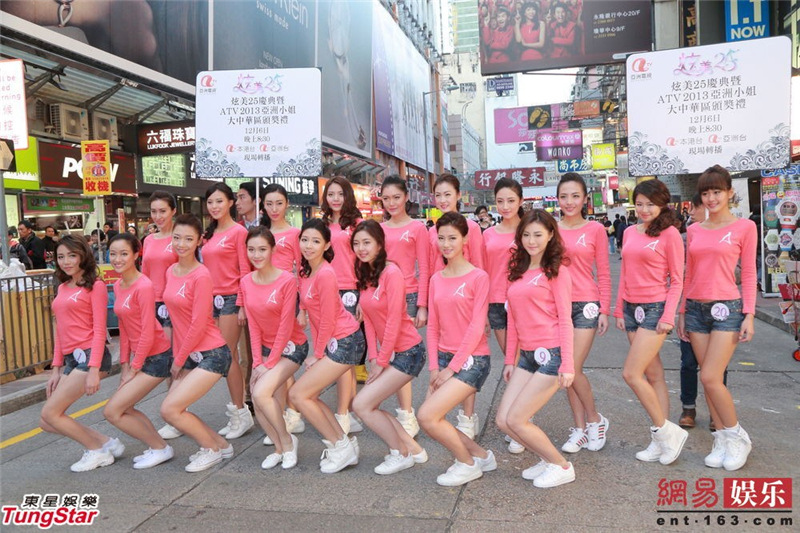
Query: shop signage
x=167, y=138
x=613, y=182
x=26, y=176
x=96, y=164
x=61, y=168
x=47, y=204
x=164, y=170
x=520, y=124
x=14, y=124
x=780, y=198
x=604, y=156
x=252, y=123
x=500, y=84
x=572, y=165
x=527, y=177
x=688, y=23
x=689, y=109
x=559, y=145
x=746, y=19
x=302, y=190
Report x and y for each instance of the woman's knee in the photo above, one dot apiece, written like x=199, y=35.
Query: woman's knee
x=426, y=417
x=170, y=411
x=112, y=413
x=711, y=379
x=630, y=376
x=361, y=406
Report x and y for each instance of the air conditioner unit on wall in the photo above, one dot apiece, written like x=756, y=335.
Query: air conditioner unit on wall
x=105, y=127
x=71, y=123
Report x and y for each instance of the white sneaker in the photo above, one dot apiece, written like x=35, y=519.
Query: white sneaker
x=244, y=424
x=716, y=458
x=154, y=457
x=596, y=433
x=554, y=475
x=421, y=457
x=227, y=453
x=671, y=437
x=737, y=447
x=272, y=460
x=142, y=456
x=344, y=422
x=468, y=425
x=294, y=421
x=515, y=447
x=233, y=414
x=577, y=440
x=267, y=441
x=115, y=447
x=394, y=463
x=460, y=473
x=204, y=459
x=355, y=423
x=290, y=457
x=652, y=453
x=323, y=459
x=534, y=471
x=93, y=459
x=354, y=441
x=340, y=456
x=408, y=419
x=488, y=464
x=169, y=432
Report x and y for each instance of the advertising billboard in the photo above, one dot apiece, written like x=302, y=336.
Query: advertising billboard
x=746, y=19
x=552, y=145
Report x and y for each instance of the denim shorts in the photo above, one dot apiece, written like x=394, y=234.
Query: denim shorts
x=719, y=315
x=162, y=315
x=410, y=361
x=498, y=316
x=646, y=316
x=70, y=363
x=349, y=300
x=158, y=366
x=216, y=360
x=585, y=315
x=411, y=304
x=225, y=305
x=347, y=350
x=475, y=375
x=294, y=353
x=542, y=360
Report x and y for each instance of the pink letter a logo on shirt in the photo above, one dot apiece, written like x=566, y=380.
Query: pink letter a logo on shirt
x=281, y=242
x=582, y=240
x=652, y=245
x=182, y=291
x=535, y=280
x=404, y=236
x=74, y=297
x=222, y=241
x=271, y=299
x=726, y=238
x=460, y=290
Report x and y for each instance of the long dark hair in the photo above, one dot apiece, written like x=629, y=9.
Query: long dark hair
x=553, y=256
x=188, y=219
x=368, y=274
x=400, y=183
x=576, y=178
x=655, y=191
x=224, y=189
x=508, y=183
x=88, y=264
x=165, y=197
x=452, y=181
x=269, y=189
x=322, y=227
x=350, y=213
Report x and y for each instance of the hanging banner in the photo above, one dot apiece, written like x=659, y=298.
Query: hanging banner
x=559, y=145
x=718, y=104
x=14, y=125
x=604, y=156
x=252, y=123
x=527, y=177
x=96, y=163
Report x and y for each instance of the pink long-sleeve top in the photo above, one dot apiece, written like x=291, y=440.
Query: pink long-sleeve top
x=80, y=321
x=139, y=331
x=409, y=248
x=711, y=263
x=563, y=38
x=157, y=257
x=319, y=296
x=286, y=254
x=587, y=249
x=498, y=248
x=344, y=258
x=535, y=305
x=385, y=318
x=271, y=316
x=473, y=250
x=189, y=300
x=225, y=256
x=652, y=271
x=457, y=317
x=498, y=40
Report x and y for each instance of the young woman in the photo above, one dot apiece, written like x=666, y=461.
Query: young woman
x=529, y=31
x=340, y=213
x=225, y=256
x=279, y=344
x=539, y=298
x=585, y=244
x=407, y=246
x=338, y=345
x=80, y=344
x=715, y=315
x=447, y=192
x=201, y=354
x=402, y=353
x=650, y=284
x=459, y=301
x=141, y=336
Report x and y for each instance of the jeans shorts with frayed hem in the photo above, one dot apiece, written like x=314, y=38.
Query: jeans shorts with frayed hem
x=216, y=360
x=225, y=305
x=410, y=361
x=719, y=315
x=70, y=363
x=585, y=315
x=498, y=316
x=347, y=350
x=293, y=352
x=645, y=316
x=476, y=373
x=159, y=365
x=542, y=360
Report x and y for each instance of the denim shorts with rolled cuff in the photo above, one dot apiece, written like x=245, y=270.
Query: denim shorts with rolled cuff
x=350, y=300
x=719, y=315
x=347, y=350
x=581, y=313
x=162, y=315
x=216, y=360
x=542, y=360
x=70, y=363
x=410, y=361
x=474, y=376
x=498, y=316
x=225, y=305
x=650, y=315
x=159, y=365
x=294, y=353
x=411, y=304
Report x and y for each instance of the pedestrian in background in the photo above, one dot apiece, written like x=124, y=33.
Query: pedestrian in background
x=33, y=245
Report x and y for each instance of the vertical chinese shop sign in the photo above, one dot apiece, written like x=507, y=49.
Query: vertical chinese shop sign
x=96, y=160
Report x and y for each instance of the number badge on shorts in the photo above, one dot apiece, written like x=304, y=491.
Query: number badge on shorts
x=591, y=311
x=219, y=301
x=639, y=314
x=290, y=348
x=79, y=355
x=720, y=312
x=468, y=363
x=333, y=345
x=197, y=357
x=542, y=356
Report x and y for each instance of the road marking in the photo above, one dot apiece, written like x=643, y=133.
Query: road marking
x=28, y=434
x=743, y=363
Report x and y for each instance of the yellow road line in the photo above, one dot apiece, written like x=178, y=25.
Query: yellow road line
x=28, y=434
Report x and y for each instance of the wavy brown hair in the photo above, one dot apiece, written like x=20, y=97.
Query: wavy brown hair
x=553, y=256
x=657, y=192
x=88, y=265
x=350, y=213
x=322, y=227
x=715, y=177
x=369, y=274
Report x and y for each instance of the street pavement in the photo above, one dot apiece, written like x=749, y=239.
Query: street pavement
x=613, y=490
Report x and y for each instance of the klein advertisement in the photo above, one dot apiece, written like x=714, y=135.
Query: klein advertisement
x=726, y=104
